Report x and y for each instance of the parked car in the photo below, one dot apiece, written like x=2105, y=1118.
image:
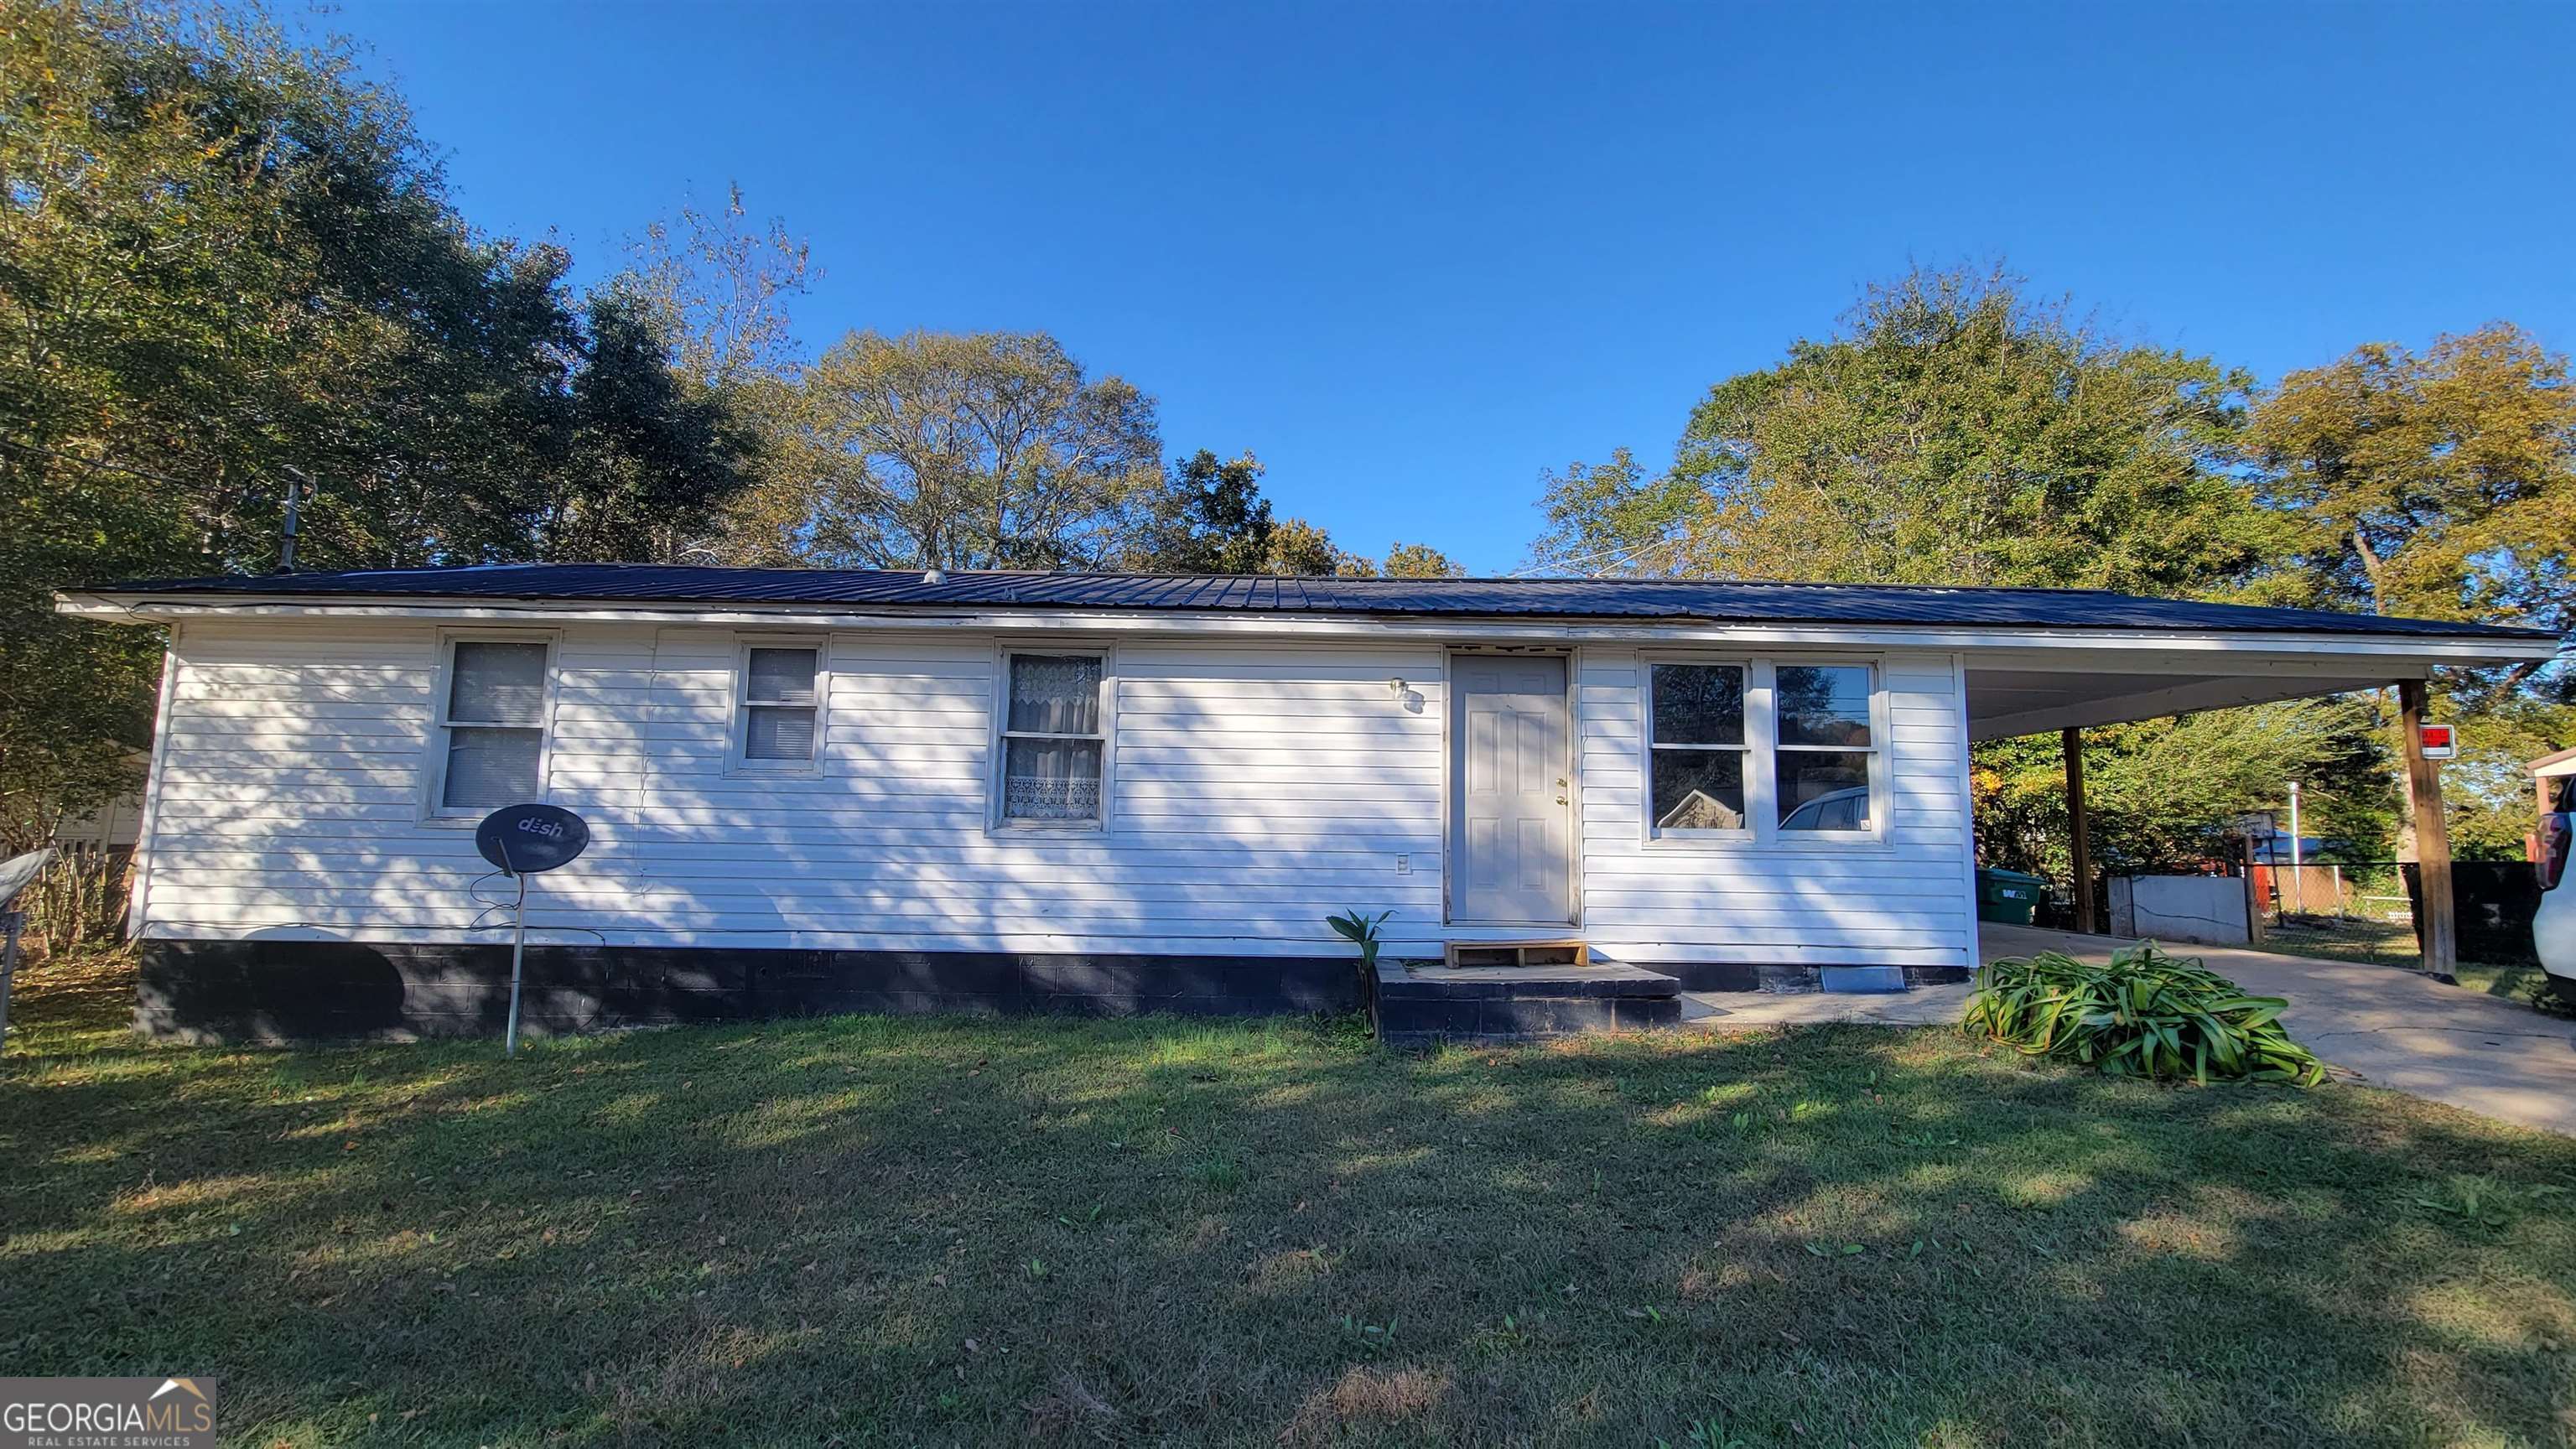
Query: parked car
x=1836, y=810
x=2553, y=927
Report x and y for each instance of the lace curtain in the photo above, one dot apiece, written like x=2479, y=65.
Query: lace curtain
x=1058, y=778
x=1054, y=694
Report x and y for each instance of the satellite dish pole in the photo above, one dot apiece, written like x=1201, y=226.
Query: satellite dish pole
x=546, y=836
x=518, y=956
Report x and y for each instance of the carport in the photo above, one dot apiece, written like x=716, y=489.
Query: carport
x=2118, y=678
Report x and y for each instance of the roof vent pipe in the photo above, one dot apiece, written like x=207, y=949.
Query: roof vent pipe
x=296, y=484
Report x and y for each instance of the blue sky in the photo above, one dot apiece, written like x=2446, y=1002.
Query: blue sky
x=1414, y=254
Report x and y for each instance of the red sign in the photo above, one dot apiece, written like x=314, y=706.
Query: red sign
x=2436, y=742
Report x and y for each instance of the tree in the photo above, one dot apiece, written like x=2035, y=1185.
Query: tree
x=704, y=299
x=655, y=450
x=2161, y=792
x=2440, y=484
x=1418, y=561
x=1300, y=549
x=228, y=261
x=1213, y=519
x=1613, y=518
x=1956, y=431
x=983, y=450
x=224, y=256
x=717, y=289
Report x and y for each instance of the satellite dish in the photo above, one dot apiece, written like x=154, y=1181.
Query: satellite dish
x=18, y=870
x=525, y=839
x=522, y=840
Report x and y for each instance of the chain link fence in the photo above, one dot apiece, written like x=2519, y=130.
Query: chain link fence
x=2368, y=910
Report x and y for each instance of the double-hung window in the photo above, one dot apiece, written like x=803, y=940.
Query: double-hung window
x=1824, y=747
x=1054, y=745
x=491, y=723
x=782, y=707
x=1698, y=749
x=1763, y=750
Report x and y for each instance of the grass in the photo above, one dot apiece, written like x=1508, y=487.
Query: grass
x=2521, y=985
x=858, y=1231
x=2374, y=944
x=2378, y=943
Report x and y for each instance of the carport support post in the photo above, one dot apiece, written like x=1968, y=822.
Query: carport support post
x=2432, y=836
x=2080, y=835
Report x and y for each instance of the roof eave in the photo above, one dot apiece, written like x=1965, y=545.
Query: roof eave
x=2468, y=647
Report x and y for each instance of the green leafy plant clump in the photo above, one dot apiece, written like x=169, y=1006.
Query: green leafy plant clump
x=1361, y=931
x=2144, y=1013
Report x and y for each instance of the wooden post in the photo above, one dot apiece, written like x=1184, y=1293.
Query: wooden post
x=2080, y=835
x=2254, y=912
x=2432, y=836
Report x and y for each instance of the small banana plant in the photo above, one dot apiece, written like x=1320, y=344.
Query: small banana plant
x=1360, y=931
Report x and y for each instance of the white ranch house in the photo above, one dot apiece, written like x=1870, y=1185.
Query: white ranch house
x=820, y=790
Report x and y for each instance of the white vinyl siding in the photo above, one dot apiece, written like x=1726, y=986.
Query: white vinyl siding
x=1257, y=787
x=1793, y=897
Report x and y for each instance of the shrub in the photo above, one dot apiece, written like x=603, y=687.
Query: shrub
x=2144, y=1014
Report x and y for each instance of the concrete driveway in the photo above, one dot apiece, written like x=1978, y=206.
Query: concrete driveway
x=2389, y=1027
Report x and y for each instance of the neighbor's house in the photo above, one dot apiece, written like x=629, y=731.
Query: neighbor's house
x=2547, y=771
x=887, y=791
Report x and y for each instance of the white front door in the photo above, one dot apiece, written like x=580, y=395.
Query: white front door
x=1511, y=814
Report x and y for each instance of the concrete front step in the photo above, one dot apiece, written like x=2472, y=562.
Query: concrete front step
x=1418, y=1003
x=1416, y=1006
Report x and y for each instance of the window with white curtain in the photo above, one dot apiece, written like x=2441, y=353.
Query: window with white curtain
x=781, y=706
x=1053, y=740
x=492, y=723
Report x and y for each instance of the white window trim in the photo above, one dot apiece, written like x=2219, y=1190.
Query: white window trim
x=1880, y=761
x=434, y=765
x=1750, y=749
x=738, y=761
x=1762, y=750
x=996, y=788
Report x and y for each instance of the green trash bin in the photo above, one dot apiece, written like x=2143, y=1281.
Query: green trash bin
x=2007, y=897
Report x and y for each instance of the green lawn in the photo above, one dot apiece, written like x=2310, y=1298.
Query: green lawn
x=2522, y=985
x=859, y=1230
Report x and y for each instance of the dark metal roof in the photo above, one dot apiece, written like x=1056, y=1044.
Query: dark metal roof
x=1245, y=593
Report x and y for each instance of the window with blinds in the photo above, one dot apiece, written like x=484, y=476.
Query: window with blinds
x=492, y=720
x=1053, y=740
x=782, y=706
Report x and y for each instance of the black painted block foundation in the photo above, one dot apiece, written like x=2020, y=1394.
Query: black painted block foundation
x=1743, y=976
x=287, y=991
